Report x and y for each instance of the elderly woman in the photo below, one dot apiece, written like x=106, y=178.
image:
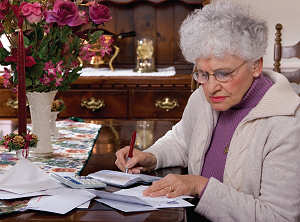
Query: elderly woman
x=239, y=135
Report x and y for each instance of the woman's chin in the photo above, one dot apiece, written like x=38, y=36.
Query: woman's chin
x=220, y=107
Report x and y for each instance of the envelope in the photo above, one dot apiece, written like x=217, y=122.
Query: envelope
x=25, y=177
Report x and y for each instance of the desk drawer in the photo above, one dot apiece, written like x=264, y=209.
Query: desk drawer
x=159, y=103
x=95, y=104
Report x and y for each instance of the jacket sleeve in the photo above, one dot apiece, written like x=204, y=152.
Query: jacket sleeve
x=172, y=149
x=278, y=198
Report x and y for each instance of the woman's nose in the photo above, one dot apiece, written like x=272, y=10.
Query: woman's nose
x=212, y=84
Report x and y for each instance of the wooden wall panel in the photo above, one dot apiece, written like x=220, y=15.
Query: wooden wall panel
x=125, y=23
x=181, y=11
x=160, y=22
x=165, y=41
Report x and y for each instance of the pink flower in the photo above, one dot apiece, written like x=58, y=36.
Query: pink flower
x=32, y=12
x=105, y=42
x=85, y=54
x=6, y=78
x=45, y=80
x=59, y=67
x=65, y=13
x=58, y=81
x=48, y=65
x=4, y=6
x=99, y=13
x=105, y=50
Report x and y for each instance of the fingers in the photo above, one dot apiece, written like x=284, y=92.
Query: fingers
x=131, y=162
x=175, y=192
x=169, y=186
x=122, y=158
x=136, y=170
x=159, y=188
x=141, y=161
x=122, y=163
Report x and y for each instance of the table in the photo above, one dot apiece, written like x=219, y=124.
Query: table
x=113, y=135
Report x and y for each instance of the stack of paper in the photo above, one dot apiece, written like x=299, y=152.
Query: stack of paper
x=121, y=179
x=132, y=200
x=27, y=180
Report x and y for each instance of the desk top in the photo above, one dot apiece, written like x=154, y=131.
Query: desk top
x=113, y=135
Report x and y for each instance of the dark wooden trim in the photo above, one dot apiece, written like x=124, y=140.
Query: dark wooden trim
x=156, y=1
x=277, y=48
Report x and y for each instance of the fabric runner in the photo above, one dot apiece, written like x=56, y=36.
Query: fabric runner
x=71, y=151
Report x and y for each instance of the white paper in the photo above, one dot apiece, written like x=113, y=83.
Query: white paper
x=5, y=195
x=130, y=200
x=119, y=197
x=120, y=178
x=25, y=177
x=85, y=205
x=125, y=207
x=60, y=203
x=157, y=202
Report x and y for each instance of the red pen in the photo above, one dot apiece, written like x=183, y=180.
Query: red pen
x=130, y=153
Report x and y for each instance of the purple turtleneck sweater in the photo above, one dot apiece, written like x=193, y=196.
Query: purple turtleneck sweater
x=228, y=120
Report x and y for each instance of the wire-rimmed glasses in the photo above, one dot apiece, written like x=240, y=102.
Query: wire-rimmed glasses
x=220, y=75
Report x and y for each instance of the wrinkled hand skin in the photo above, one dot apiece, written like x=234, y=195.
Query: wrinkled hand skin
x=140, y=162
x=174, y=185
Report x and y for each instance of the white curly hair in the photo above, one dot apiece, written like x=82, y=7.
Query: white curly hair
x=223, y=27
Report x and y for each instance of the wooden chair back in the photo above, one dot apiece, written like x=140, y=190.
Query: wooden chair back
x=286, y=52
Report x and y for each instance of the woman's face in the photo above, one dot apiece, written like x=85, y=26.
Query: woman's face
x=224, y=95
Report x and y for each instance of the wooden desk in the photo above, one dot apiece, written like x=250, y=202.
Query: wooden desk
x=112, y=135
x=117, y=97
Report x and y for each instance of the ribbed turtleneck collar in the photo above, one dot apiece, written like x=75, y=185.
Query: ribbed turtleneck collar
x=254, y=93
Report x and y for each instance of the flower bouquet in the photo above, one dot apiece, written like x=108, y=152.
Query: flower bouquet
x=57, y=34
x=16, y=142
x=51, y=36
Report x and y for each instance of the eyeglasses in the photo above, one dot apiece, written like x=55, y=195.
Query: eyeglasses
x=220, y=75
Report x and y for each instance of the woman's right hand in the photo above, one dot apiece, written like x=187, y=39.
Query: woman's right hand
x=140, y=162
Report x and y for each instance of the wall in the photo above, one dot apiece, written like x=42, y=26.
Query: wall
x=274, y=11
x=277, y=11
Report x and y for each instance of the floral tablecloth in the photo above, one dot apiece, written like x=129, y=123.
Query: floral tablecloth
x=71, y=152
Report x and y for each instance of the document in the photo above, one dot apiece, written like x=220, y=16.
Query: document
x=125, y=206
x=60, y=203
x=6, y=195
x=132, y=200
x=122, y=179
x=157, y=202
x=84, y=205
x=25, y=177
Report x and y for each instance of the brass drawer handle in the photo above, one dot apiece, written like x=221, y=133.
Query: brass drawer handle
x=167, y=104
x=92, y=103
x=13, y=103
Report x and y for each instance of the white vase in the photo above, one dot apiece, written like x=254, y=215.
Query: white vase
x=40, y=112
x=53, y=129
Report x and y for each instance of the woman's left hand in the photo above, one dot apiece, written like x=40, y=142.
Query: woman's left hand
x=174, y=185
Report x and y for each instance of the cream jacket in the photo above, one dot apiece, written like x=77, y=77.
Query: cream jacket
x=262, y=170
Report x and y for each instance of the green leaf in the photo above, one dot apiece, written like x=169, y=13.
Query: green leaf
x=95, y=36
x=3, y=54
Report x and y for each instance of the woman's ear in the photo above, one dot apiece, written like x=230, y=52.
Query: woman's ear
x=257, y=67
